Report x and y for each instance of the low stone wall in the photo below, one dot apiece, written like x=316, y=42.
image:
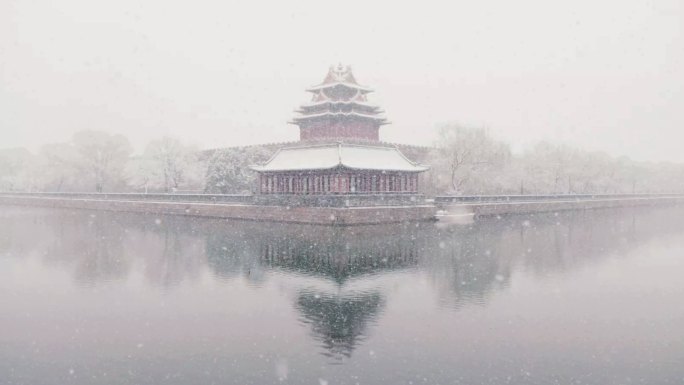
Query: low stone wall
x=170, y=197
x=311, y=215
x=509, y=208
x=331, y=215
x=457, y=199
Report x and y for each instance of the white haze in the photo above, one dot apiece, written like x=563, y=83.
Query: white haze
x=599, y=75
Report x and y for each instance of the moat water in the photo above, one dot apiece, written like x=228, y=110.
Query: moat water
x=592, y=297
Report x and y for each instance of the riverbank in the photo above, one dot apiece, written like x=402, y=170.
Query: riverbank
x=486, y=206
x=245, y=211
x=335, y=210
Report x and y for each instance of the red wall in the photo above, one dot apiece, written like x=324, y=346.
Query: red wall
x=338, y=183
x=331, y=129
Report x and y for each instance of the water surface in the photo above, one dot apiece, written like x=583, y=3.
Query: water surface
x=92, y=297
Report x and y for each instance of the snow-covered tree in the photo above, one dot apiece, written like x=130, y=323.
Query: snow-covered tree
x=228, y=169
x=18, y=168
x=547, y=168
x=140, y=174
x=167, y=165
x=59, y=167
x=102, y=157
x=465, y=155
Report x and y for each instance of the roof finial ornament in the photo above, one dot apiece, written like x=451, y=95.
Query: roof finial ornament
x=339, y=72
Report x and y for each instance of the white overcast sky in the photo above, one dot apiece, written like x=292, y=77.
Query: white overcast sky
x=602, y=75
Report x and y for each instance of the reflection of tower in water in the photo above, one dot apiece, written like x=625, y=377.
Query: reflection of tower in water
x=339, y=319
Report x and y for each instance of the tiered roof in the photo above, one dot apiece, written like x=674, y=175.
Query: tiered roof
x=340, y=103
x=339, y=95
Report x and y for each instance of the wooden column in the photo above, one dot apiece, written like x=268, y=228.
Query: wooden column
x=344, y=183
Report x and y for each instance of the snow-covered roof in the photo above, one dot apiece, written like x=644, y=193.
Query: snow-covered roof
x=330, y=156
x=339, y=76
x=340, y=84
x=338, y=102
x=338, y=114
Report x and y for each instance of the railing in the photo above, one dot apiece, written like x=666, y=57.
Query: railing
x=337, y=200
x=202, y=198
x=444, y=199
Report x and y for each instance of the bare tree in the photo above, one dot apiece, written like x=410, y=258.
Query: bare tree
x=102, y=156
x=17, y=170
x=59, y=166
x=171, y=162
x=463, y=151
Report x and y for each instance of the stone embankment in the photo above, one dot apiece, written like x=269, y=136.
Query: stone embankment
x=498, y=205
x=337, y=210
x=217, y=208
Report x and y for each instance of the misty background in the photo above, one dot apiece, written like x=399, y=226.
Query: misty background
x=601, y=76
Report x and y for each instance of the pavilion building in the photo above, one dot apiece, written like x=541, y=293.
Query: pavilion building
x=339, y=150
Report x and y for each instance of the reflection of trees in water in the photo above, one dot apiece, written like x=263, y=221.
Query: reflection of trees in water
x=466, y=264
x=231, y=251
x=469, y=263
x=173, y=254
x=98, y=250
x=339, y=322
x=166, y=248
x=104, y=246
x=552, y=243
x=88, y=242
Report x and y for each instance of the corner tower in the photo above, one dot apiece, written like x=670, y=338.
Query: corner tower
x=340, y=153
x=339, y=110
